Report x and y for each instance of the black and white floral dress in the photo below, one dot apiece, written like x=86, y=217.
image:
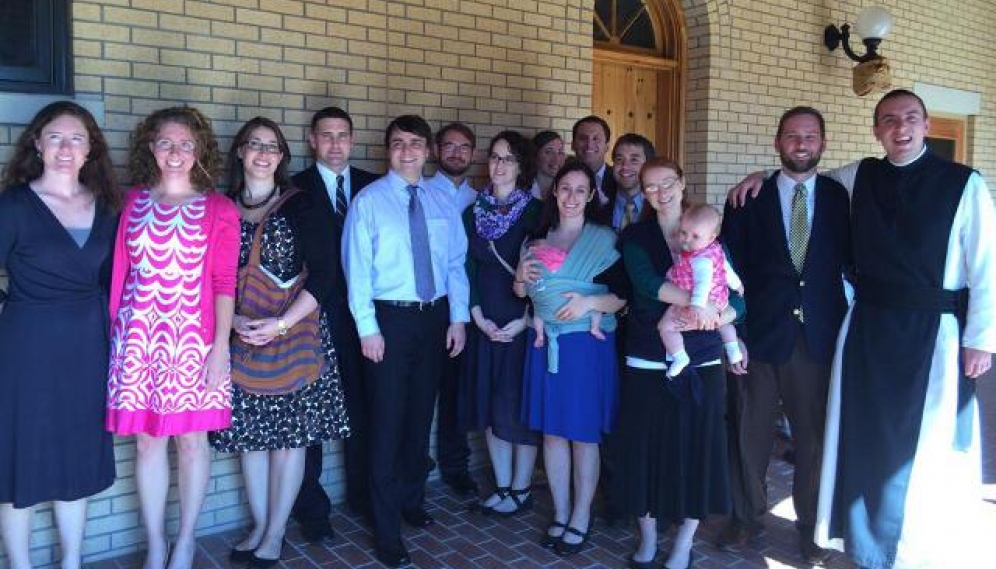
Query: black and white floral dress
x=308, y=416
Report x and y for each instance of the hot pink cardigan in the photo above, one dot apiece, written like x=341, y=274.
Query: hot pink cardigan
x=221, y=260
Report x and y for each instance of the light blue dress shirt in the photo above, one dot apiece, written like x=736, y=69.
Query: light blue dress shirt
x=462, y=195
x=377, y=250
x=619, y=207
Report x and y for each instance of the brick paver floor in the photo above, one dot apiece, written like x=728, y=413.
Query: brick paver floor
x=464, y=539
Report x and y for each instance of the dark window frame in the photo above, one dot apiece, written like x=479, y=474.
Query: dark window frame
x=51, y=72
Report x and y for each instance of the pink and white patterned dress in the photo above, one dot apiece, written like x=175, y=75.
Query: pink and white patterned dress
x=680, y=273
x=157, y=349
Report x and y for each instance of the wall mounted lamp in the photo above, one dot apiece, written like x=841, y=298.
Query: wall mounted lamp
x=872, y=73
x=873, y=24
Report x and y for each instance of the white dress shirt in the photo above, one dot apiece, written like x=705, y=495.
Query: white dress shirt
x=329, y=177
x=377, y=250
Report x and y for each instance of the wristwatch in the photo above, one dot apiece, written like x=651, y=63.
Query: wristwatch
x=282, y=327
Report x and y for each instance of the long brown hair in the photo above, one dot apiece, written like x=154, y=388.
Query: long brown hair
x=142, y=167
x=96, y=175
x=550, y=217
x=236, y=169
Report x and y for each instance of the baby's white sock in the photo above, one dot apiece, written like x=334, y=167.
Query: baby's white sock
x=679, y=362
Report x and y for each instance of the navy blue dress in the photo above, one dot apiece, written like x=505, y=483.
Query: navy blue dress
x=491, y=372
x=53, y=355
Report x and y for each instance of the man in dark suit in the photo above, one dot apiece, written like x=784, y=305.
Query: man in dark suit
x=791, y=246
x=630, y=152
x=590, y=141
x=332, y=183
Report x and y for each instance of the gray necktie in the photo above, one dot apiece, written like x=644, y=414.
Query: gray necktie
x=421, y=255
x=799, y=227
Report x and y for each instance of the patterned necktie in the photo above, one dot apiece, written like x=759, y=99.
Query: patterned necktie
x=421, y=255
x=629, y=212
x=340, y=195
x=799, y=227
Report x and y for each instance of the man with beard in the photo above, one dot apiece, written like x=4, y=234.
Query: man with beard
x=455, y=144
x=791, y=246
x=630, y=152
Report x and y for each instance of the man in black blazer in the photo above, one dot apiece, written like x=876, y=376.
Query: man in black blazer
x=791, y=246
x=590, y=141
x=332, y=182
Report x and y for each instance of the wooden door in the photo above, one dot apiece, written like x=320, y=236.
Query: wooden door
x=638, y=98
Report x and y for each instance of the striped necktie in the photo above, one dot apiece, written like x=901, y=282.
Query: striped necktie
x=421, y=254
x=340, y=195
x=799, y=227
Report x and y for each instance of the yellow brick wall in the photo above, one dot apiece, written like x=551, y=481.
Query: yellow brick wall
x=494, y=64
x=752, y=59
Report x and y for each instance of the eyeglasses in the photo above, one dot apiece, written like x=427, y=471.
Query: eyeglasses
x=167, y=145
x=665, y=184
x=454, y=147
x=496, y=159
x=57, y=140
x=257, y=146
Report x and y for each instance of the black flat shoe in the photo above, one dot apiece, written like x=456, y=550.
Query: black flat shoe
x=565, y=549
x=240, y=555
x=550, y=541
x=265, y=562
x=691, y=560
x=634, y=564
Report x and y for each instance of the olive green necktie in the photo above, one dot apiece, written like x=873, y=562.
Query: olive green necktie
x=799, y=227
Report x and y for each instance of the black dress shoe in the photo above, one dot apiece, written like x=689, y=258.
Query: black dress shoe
x=811, y=553
x=317, y=532
x=737, y=534
x=461, y=484
x=392, y=557
x=418, y=518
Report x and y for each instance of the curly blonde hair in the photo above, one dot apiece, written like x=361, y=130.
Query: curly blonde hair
x=142, y=167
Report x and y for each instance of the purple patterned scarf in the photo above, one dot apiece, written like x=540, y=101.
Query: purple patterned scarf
x=492, y=219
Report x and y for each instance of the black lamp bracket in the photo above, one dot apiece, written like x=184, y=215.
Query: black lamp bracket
x=832, y=37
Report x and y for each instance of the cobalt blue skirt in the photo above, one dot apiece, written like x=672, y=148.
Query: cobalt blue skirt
x=578, y=402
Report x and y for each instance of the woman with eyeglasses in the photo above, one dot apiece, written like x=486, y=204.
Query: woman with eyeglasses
x=497, y=224
x=670, y=443
x=272, y=425
x=58, y=205
x=171, y=304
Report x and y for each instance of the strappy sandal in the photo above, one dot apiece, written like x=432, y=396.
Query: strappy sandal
x=502, y=492
x=564, y=549
x=521, y=504
x=551, y=541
